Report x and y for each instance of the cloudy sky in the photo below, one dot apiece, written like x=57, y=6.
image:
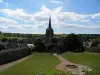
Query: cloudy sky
x=68, y=16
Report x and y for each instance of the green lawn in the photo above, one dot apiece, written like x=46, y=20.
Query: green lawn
x=39, y=62
x=44, y=62
x=86, y=58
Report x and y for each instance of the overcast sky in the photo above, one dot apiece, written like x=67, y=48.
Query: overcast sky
x=68, y=16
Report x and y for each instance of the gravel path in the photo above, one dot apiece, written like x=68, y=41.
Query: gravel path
x=5, y=66
x=64, y=62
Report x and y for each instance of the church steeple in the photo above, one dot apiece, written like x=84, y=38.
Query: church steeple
x=50, y=21
x=49, y=30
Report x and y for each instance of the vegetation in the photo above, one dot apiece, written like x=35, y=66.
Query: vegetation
x=70, y=42
x=95, y=42
x=38, y=62
x=86, y=58
x=93, y=49
x=10, y=37
x=40, y=47
x=73, y=43
x=95, y=71
x=10, y=55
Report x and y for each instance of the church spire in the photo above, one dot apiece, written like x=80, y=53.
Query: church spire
x=49, y=30
x=50, y=21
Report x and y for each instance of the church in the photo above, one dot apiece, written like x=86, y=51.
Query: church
x=50, y=40
x=49, y=32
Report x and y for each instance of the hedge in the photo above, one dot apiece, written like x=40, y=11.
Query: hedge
x=10, y=55
x=94, y=49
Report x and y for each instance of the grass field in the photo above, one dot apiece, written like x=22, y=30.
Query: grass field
x=90, y=59
x=39, y=62
x=44, y=62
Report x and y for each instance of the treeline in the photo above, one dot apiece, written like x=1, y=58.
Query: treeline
x=70, y=42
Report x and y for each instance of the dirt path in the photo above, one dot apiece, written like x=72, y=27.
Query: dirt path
x=63, y=66
x=5, y=66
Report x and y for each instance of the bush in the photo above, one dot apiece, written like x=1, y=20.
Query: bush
x=40, y=46
x=13, y=54
x=73, y=43
x=95, y=42
x=94, y=49
x=95, y=71
x=4, y=39
x=2, y=47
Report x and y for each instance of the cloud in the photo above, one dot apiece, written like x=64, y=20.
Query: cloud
x=18, y=14
x=85, y=20
x=7, y=21
x=56, y=1
x=1, y=1
x=43, y=15
x=64, y=25
x=18, y=27
x=39, y=19
x=95, y=15
x=58, y=16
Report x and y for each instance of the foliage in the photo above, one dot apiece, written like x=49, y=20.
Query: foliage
x=95, y=71
x=2, y=47
x=13, y=54
x=0, y=32
x=73, y=43
x=40, y=45
x=4, y=39
x=95, y=42
x=93, y=49
x=38, y=62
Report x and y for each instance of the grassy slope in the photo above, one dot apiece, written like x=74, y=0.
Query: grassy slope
x=39, y=62
x=86, y=58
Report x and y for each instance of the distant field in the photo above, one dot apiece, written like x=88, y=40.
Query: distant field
x=39, y=62
x=86, y=58
x=10, y=37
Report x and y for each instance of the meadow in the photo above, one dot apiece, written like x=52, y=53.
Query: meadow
x=45, y=63
x=38, y=62
x=86, y=58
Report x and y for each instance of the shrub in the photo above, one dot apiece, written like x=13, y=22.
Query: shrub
x=95, y=71
x=94, y=49
x=40, y=46
x=13, y=54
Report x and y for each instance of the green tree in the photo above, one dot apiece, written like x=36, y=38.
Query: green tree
x=95, y=42
x=4, y=39
x=73, y=43
x=40, y=45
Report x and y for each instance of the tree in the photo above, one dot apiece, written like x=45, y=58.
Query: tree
x=73, y=43
x=2, y=47
x=4, y=39
x=95, y=42
x=0, y=32
x=40, y=45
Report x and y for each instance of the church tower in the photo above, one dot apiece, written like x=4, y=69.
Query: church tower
x=49, y=30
